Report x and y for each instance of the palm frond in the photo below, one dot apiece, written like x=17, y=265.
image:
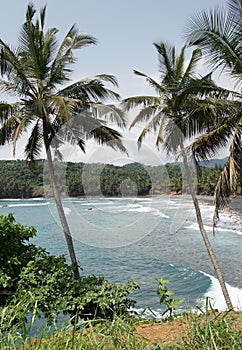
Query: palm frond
x=166, y=58
x=152, y=125
x=235, y=7
x=109, y=137
x=7, y=129
x=152, y=82
x=34, y=144
x=64, y=56
x=180, y=64
x=13, y=89
x=110, y=113
x=75, y=130
x=145, y=115
x=196, y=57
x=207, y=145
x=63, y=107
x=231, y=174
x=6, y=109
x=12, y=68
x=107, y=78
x=173, y=137
x=218, y=34
x=140, y=101
x=89, y=90
x=160, y=133
x=198, y=89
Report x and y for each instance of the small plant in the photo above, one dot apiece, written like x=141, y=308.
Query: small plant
x=167, y=299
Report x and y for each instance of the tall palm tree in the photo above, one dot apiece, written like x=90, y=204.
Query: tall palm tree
x=218, y=34
x=34, y=73
x=179, y=111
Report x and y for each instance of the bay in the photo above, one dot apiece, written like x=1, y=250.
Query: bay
x=142, y=239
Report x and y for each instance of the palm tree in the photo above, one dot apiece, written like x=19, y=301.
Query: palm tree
x=34, y=73
x=218, y=34
x=179, y=111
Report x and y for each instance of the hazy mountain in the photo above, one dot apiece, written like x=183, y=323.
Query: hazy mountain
x=211, y=163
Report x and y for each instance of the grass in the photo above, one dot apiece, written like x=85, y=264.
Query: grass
x=209, y=330
x=118, y=334
x=213, y=331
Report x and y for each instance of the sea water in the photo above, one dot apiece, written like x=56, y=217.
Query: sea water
x=143, y=239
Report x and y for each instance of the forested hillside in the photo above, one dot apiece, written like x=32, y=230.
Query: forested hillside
x=18, y=180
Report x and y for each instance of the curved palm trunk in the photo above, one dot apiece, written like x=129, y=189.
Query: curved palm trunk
x=205, y=237
x=61, y=213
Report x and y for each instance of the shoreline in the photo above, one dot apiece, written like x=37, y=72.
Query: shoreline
x=234, y=204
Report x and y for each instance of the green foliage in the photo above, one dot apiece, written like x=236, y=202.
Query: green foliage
x=50, y=281
x=15, y=253
x=167, y=299
x=17, y=180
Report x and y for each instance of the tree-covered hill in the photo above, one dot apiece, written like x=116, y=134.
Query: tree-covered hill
x=18, y=180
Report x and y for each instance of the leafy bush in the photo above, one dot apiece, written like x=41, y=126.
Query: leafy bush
x=25, y=268
x=15, y=253
x=50, y=279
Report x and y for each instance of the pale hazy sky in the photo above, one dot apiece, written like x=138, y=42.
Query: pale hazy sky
x=125, y=31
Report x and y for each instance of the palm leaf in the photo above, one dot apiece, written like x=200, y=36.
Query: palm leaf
x=153, y=124
x=218, y=34
x=196, y=57
x=139, y=101
x=231, y=173
x=34, y=144
x=154, y=84
x=109, y=137
x=11, y=67
x=88, y=90
x=166, y=60
x=180, y=64
x=110, y=113
x=145, y=115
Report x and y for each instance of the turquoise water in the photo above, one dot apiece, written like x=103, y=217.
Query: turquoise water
x=142, y=239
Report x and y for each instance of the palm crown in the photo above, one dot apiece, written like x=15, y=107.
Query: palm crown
x=179, y=110
x=35, y=73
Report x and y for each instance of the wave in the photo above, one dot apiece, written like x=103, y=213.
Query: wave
x=129, y=207
x=24, y=205
x=149, y=210
x=194, y=226
x=67, y=210
x=215, y=295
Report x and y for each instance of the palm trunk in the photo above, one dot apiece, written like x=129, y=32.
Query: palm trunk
x=205, y=237
x=61, y=213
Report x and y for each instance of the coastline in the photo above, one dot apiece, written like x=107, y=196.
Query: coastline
x=234, y=205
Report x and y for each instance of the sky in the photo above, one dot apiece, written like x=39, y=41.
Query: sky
x=125, y=31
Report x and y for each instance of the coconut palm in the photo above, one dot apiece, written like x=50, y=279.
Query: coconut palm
x=34, y=74
x=182, y=107
x=218, y=34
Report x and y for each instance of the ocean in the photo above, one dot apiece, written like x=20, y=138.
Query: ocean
x=143, y=239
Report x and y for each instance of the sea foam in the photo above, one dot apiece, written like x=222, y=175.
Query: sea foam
x=215, y=295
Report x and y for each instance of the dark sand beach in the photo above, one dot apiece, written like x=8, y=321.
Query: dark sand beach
x=234, y=204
